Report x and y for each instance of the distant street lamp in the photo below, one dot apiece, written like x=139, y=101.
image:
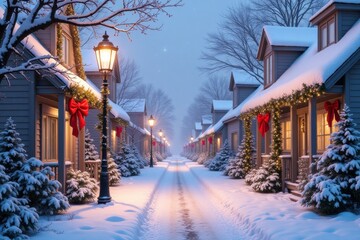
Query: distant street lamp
x=105, y=55
x=160, y=134
x=151, y=124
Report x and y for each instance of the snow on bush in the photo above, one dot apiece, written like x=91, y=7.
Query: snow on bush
x=114, y=173
x=12, y=152
x=90, y=149
x=80, y=187
x=42, y=192
x=265, y=179
x=335, y=186
x=142, y=161
x=203, y=157
x=17, y=217
x=127, y=162
x=242, y=164
x=221, y=160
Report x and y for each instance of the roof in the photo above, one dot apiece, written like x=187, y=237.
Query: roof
x=310, y=68
x=206, y=119
x=331, y=2
x=133, y=105
x=242, y=78
x=290, y=36
x=222, y=105
x=142, y=130
x=198, y=126
x=67, y=77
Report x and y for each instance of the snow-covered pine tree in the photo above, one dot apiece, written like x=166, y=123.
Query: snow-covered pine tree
x=127, y=162
x=80, y=187
x=42, y=193
x=113, y=170
x=12, y=152
x=221, y=160
x=90, y=149
x=17, y=217
x=142, y=161
x=336, y=186
x=242, y=164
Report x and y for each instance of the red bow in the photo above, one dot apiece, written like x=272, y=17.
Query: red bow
x=210, y=140
x=332, y=110
x=154, y=143
x=263, y=121
x=203, y=142
x=118, y=131
x=77, y=111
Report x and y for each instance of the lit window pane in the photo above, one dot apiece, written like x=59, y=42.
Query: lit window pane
x=332, y=32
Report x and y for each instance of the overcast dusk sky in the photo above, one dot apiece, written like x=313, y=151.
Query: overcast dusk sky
x=169, y=58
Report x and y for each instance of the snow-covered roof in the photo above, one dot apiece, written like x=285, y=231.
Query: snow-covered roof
x=198, y=126
x=142, y=130
x=331, y=2
x=310, y=68
x=133, y=105
x=290, y=36
x=242, y=77
x=206, y=132
x=68, y=77
x=206, y=119
x=222, y=105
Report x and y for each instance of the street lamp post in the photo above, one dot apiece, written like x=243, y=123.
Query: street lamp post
x=160, y=134
x=151, y=124
x=164, y=140
x=105, y=55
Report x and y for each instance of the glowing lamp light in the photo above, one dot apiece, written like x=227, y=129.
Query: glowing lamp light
x=151, y=121
x=105, y=54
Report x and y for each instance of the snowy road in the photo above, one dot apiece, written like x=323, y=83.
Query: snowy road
x=182, y=208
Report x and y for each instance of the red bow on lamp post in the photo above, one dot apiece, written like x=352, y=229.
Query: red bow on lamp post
x=210, y=140
x=78, y=110
x=263, y=121
x=118, y=131
x=332, y=111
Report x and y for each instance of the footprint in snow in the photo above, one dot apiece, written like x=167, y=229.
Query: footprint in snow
x=114, y=219
x=86, y=228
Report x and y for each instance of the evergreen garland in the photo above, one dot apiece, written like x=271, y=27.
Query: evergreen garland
x=59, y=41
x=79, y=93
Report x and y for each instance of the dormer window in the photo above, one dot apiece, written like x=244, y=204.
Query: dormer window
x=268, y=69
x=327, y=33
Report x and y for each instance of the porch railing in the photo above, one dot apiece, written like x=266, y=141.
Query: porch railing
x=93, y=168
x=55, y=168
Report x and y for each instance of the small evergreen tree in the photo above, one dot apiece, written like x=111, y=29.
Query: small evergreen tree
x=12, y=152
x=336, y=186
x=43, y=194
x=127, y=162
x=90, y=149
x=142, y=161
x=242, y=164
x=221, y=160
x=114, y=173
x=16, y=218
x=80, y=187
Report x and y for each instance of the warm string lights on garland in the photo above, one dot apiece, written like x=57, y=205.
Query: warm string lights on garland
x=59, y=41
x=248, y=147
x=79, y=93
x=76, y=44
x=276, y=139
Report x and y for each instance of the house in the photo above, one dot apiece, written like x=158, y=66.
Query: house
x=309, y=74
x=39, y=104
x=198, y=129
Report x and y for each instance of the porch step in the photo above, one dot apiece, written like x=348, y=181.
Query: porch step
x=294, y=198
x=292, y=186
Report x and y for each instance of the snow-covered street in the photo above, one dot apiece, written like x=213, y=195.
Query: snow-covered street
x=184, y=209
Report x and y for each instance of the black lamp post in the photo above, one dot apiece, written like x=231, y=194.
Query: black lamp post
x=105, y=55
x=151, y=124
x=160, y=134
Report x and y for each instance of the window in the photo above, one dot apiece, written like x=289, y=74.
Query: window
x=268, y=70
x=323, y=131
x=218, y=143
x=328, y=33
x=286, y=135
x=65, y=50
x=234, y=141
x=49, y=138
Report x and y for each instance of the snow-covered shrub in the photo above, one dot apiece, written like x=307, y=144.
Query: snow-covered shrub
x=114, y=173
x=221, y=160
x=127, y=162
x=142, y=161
x=158, y=156
x=42, y=193
x=90, y=149
x=336, y=185
x=203, y=157
x=17, y=217
x=80, y=187
x=242, y=164
x=265, y=179
x=12, y=152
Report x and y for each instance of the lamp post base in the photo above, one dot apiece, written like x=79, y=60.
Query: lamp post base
x=104, y=200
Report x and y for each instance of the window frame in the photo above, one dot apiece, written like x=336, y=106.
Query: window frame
x=323, y=132
x=47, y=135
x=286, y=135
x=65, y=49
x=324, y=41
x=269, y=70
